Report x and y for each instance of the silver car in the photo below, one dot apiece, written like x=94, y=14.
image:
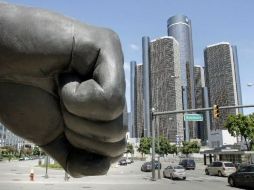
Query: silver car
x=220, y=168
x=174, y=172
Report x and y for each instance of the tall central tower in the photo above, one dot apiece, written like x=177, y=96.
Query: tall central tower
x=179, y=27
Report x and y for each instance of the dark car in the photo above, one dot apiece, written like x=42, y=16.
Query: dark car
x=122, y=162
x=243, y=177
x=188, y=164
x=147, y=166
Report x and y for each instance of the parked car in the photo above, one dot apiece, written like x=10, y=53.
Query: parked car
x=23, y=158
x=174, y=172
x=129, y=161
x=122, y=162
x=243, y=177
x=188, y=164
x=239, y=165
x=220, y=168
x=147, y=166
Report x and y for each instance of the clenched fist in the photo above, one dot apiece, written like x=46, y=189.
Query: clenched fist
x=62, y=87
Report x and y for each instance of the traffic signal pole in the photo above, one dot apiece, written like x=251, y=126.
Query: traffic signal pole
x=154, y=113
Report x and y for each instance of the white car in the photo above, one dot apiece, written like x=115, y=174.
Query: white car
x=220, y=168
x=129, y=161
x=174, y=171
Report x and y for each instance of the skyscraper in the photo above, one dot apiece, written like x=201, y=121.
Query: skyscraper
x=223, y=82
x=179, y=27
x=139, y=111
x=201, y=101
x=166, y=85
x=133, y=99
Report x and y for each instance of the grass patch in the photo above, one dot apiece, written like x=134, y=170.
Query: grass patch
x=52, y=166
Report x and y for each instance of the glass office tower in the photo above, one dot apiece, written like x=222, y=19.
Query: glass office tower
x=179, y=27
x=166, y=86
x=222, y=80
x=132, y=126
x=139, y=107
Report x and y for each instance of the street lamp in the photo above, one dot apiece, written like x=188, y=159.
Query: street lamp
x=153, y=147
x=169, y=119
x=47, y=161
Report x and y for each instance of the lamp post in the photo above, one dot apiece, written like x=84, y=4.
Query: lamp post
x=158, y=145
x=47, y=160
x=39, y=156
x=170, y=124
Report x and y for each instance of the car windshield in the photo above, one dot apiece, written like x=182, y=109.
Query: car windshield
x=229, y=165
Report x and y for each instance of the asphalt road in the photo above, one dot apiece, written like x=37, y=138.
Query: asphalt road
x=15, y=175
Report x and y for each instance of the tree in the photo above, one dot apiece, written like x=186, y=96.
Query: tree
x=36, y=151
x=163, y=146
x=25, y=151
x=190, y=147
x=145, y=145
x=130, y=150
x=9, y=150
x=251, y=135
x=173, y=149
x=241, y=125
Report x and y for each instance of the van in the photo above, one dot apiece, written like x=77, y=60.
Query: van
x=220, y=168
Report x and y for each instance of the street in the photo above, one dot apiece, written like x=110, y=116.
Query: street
x=15, y=175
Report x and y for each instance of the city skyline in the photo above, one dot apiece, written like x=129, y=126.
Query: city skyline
x=132, y=20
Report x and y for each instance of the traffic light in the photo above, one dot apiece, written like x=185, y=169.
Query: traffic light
x=216, y=111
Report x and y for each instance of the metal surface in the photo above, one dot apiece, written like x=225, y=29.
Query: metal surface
x=147, y=98
x=146, y=83
x=193, y=117
x=62, y=87
x=132, y=84
x=201, y=109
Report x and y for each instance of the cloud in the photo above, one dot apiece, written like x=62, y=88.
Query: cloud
x=134, y=47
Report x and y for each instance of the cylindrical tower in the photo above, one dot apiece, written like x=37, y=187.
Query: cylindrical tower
x=179, y=27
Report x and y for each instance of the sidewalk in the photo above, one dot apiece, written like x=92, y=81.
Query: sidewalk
x=20, y=173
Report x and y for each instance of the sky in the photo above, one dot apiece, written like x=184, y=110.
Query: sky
x=212, y=22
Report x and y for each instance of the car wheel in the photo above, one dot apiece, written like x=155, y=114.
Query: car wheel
x=184, y=178
x=231, y=182
x=164, y=175
x=219, y=173
x=206, y=172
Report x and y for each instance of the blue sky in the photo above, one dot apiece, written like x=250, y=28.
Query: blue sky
x=212, y=22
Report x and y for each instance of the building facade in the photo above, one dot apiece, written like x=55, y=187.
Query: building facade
x=201, y=101
x=179, y=27
x=166, y=86
x=139, y=111
x=132, y=127
x=223, y=83
x=7, y=138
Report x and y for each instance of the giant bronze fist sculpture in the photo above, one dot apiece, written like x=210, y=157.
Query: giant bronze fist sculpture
x=62, y=87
